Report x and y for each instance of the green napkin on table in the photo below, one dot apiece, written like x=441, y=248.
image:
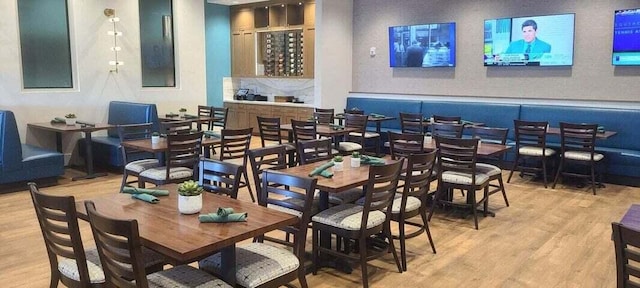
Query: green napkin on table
x=600, y=129
x=465, y=122
x=375, y=115
x=188, y=116
x=370, y=160
x=58, y=120
x=172, y=114
x=154, y=192
x=212, y=134
x=223, y=215
x=322, y=170
x=146, y=198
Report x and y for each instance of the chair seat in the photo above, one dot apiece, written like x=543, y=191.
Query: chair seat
x=535, y=151
x=490, y=170
x=309, y=150
x=159, y=173
x=142, y=165
x=413, y=203
x=349, y=146
x=582, y=156
x=348, y=217
x=463, y=178
x=69, y=267
x=287, y=146
x=184, y=276
x=256, y=263
x=298, y=202
x=366, y=134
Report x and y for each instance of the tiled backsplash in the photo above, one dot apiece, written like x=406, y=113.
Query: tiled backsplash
x=299, y=88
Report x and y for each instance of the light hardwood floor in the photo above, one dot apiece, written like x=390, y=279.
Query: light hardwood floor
x=547, y=238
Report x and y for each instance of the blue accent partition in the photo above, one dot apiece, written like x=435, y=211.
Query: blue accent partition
x=217, y=49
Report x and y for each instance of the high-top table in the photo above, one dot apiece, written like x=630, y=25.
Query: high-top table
x=60, y=128
x=182, y=238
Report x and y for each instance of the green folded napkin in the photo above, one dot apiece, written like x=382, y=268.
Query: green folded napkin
x=212, y=134
x=375, y=115
x=600, y=129
x=465, y=122
x=172, y=114
x=320, y=169
x=58, y=120
x=154, y=192
x=146, y=198
x=188, y=116
x=370, y=160
x=215, y=218
x=222, y=211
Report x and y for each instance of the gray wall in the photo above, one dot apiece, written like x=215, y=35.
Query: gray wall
x=592, y=77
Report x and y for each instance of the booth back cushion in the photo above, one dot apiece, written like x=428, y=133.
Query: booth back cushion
x=131, y=113
x=10, y=145
x=386, y=107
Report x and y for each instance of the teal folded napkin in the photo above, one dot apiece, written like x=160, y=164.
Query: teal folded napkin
x=465, y=122
x=212, y=134
x=188, y=116
x=58, y=120
x=172, y=114
x=375, y=115
x=154, y=192
x=223, y=215
x=146, y=198
x=370, y=160
x=322, y=170
x=600, y=129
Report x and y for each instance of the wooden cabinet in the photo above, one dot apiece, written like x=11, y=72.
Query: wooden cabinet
x=243, y=53
x=253, y=111
x=243, y=115
x=241, y=18
x=309, y=13
x=308, y=52
x=237, y=115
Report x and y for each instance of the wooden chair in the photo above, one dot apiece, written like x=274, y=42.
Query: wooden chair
x=120, y=249
x=352, y=111
x=371, y=218
x=271, y=134
x=182, y=156
x=531, y=143
x=497, y=136
x=413, y=200
x=219, y=177
x=325, y=110
x=234, y=146
x=303, y=130
x=411, y=123
x=578, y=144
x=217, y=125
x=402, y=145
x=450, y=130
x=447, y=119
x=176, y=127
x=626, y=241
x=323, y=117
x=354, y=141
x=204, y=111
x=260, y=159
x=457, y=170
x=263, y=265
x=136, y=161
x=69, y=262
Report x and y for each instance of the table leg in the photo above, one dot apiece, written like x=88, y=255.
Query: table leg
x=59, y=141
x=228, y=261
x=325, y=241
x=89, y=160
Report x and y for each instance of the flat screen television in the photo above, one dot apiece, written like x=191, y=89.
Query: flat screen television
x=626, y=37
x=529, y=41
x=424, y=45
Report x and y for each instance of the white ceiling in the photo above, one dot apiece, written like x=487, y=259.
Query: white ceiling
x=233, y=2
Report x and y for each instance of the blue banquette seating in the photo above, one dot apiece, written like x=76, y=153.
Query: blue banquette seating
x=23, y=162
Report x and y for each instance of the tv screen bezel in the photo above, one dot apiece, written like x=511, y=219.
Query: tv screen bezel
x=613, y=39
x=535, y=64
x=452, y=47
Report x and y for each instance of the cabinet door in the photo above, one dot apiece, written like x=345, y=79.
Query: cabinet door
x=243, y=53
x=308, y=51
x=309, y=13
x=236, y=53
x=305, y=113
x=241, y=19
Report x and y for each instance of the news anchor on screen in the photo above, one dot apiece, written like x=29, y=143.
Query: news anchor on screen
x=530, y=45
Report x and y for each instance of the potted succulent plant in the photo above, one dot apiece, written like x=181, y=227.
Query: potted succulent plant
x=155, y=138
x=182, y=111
x=355, y=159
x=70, y=119
x=189, y=197
x=338, y=164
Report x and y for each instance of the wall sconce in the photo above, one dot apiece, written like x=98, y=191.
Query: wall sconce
x=111, y=13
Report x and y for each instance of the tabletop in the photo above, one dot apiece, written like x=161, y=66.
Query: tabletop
x=484, y=149
x=182, y=237
x=323, y=130
x=62, y=127
x=605, y=135
x=162, y=145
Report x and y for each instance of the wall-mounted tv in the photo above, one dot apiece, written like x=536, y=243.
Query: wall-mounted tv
x=626, y=37
x=529, y=41
x=425, y=45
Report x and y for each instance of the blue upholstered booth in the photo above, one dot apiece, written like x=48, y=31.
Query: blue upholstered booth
x=23, y=162
x=106, y=149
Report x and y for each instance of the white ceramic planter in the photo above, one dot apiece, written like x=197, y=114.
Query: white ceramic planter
x=181, y=114
x=355, y=162
x=70, y=121
x=155, y=139
x=338, y=166
x=189, y=204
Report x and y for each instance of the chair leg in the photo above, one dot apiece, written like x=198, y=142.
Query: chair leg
x=544, y=170
x=515, y=166
x=314, y=252
x=55, y=278
x=403, y=246
x=302, y=276
x=423, y=214
x=246, y=180
x=560, y=167
x=392, y=247
x=472, y=195
x=124, y=179
x=593, y=178
x=436, y=198
x=362, y=250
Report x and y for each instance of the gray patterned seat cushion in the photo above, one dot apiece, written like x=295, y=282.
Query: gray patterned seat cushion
x=463, y=178
x=348, y=216
x=142, y=165
x=349, y=146
x=256, y=263
x=413, y=203
x=582, y=156
x=491, y=170
x=159, y=173
x=184, y=276
x=69, y=267
x=296, y=201
x=536, y=151
x=366, y=134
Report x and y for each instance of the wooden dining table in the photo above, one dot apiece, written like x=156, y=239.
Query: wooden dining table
x=182, y=238
x=322, y=130
x=603, y=135
x=162, y=145
x=484, y=148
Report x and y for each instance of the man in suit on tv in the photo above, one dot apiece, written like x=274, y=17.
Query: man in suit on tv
x=530, y=45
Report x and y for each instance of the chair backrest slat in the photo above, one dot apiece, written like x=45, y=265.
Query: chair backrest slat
x=315, y=150
x=380, y=190
x=626, y=242
x=303, y=130
x=219, y=177
x=235, y=143
x=451, y=130
x=531, y=133
x=401, y=145
x=578, y=137
x=269, y=128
